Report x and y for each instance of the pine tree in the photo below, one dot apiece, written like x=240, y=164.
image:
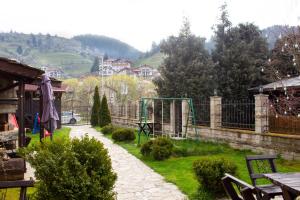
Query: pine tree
x=239, y=54
x=104, y=116
x=95, y=108
x=19, y=50
x=186, y=70
x=95, y=66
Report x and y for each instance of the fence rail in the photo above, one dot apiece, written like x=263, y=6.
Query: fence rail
x=239, y=114
x=202, y=112
x=284, y=124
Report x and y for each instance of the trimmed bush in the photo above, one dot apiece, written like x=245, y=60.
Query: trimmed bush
x=209, y=172
x=108, y=129
x=77, y=169
x=123, y=134
x=159, y=149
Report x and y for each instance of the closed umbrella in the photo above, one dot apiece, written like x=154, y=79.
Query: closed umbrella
x=49, y=116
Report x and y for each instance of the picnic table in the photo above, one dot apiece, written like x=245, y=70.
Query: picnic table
x=289, y=183
x=147, y=127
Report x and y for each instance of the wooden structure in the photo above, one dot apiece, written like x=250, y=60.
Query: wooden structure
x=288, y=182
x=12, y=75
x=32, y=102
x=151, y=122
x=23, y=184
x=257, y=166
x=247, y=192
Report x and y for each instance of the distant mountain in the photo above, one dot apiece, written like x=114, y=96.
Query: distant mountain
x=75, y=56
x=112, y=47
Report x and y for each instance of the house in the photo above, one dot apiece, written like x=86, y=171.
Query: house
x=54, y=72
x=114, y=66
x=128, y=72
x=146, y=72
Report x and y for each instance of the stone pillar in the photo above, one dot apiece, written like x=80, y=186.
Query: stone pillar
x=215, y=112
x=172, y=116
x=137, y=110
x=184, y=115
x=261, y=113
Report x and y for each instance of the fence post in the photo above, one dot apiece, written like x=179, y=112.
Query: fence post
x=172, y=117
x=184, y=115
x=215, y=112
x=261, y=113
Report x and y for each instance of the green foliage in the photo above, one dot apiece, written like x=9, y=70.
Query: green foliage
x=159, y=149
x=239, y=53
x=104, y=114
x=108, y=129
x=123, y=134
x=209, y=172
x=187, y=66
x=96, y=108
x=95, y=66
x=77, y=169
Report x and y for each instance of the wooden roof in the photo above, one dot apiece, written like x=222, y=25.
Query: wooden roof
x=16, y=70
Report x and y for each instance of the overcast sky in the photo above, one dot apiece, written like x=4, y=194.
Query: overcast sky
x=138, y=22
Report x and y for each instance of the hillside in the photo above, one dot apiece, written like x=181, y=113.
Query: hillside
x=154, y=60
x=112, y=47
x=72, y=55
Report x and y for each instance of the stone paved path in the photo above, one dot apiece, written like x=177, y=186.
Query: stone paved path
x=136, y=181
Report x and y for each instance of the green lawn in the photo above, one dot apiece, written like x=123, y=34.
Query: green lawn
x=178, y=170
x=59, y=133
x=13, y=194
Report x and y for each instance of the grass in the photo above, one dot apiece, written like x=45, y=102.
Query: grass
x=59, y=133
x=13, y=194
x=154, y=60
x=178, y=170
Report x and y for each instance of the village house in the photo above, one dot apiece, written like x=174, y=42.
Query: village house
x=54, y=72
x=114, y=66
x=146, y=72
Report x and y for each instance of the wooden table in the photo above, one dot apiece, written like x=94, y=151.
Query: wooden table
x=147, y=128
x=289, y=183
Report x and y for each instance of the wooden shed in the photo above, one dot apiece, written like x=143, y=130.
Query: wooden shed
x=15, y=77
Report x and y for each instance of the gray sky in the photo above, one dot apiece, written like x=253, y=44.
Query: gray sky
x=138, y=22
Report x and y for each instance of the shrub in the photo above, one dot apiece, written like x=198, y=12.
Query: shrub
x=209, y=172
x=123, y=134
x=77, y=169
x=146, y=148
x=159, y=149
x=108, y=129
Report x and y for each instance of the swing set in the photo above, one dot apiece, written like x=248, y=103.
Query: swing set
x=168, y=117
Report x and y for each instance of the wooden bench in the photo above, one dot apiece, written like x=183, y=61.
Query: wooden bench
x=264, y=164
x=247, y=192
x=23, y=184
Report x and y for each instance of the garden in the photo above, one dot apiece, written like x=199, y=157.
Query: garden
x=195, y=166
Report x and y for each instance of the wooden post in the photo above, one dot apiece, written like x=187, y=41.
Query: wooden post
x=21, y=137
x=40, y=115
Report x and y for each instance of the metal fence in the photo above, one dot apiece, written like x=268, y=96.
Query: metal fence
x=82, y=114
x=202, y=111
x=239, y=114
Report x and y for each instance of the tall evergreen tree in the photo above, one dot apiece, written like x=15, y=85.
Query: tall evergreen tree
x=187, y=67
x=239, y=54
x=19, y=50
x=95, y=66
x=104, y=115
x=96, y=108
